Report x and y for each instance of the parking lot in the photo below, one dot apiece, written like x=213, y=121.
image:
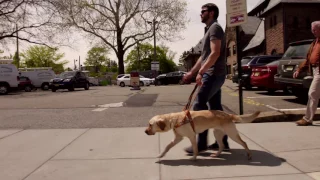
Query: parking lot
x=114, y=106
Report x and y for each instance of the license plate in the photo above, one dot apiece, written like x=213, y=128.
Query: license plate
x=256, y=74
x=289, y=68
x=56, y=85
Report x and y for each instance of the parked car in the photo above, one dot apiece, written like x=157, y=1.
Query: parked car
x=170, y=78
x=25, y=84
x=292, y=58
x=8, y=78
x=125, y=81
x=70, y=80
x=263, y=77
x=250, y=62
x=40, y=77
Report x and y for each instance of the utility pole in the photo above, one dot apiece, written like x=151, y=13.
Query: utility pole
x=138, y=49
x=154, y=22
x=18, y=63
x=79, y=64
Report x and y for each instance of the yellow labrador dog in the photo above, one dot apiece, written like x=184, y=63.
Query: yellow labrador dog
x=221, y=122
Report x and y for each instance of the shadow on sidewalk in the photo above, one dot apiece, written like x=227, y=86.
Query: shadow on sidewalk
x=235, y=157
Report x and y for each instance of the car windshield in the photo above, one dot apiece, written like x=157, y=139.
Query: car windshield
x=297, y=51
x=67, y=74
x=245, y=61
x=273, y=63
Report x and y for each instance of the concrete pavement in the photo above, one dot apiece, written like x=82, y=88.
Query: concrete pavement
x=280, y=151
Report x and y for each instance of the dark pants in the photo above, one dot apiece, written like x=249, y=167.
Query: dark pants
x=208, y=98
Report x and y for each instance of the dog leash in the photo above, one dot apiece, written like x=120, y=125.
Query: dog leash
x=186, y=109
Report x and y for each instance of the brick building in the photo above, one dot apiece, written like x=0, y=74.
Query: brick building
x=286, y=21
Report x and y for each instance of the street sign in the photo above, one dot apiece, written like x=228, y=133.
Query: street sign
x=155, y=65
x=135, y=81
x=236, y=12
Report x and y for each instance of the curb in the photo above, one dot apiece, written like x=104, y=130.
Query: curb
x=282, y=116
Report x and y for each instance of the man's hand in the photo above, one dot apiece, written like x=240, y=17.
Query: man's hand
x=199, y=80
x=187, y=76
x=296, y=74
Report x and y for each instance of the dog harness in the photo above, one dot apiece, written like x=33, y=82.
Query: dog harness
x=187, y=119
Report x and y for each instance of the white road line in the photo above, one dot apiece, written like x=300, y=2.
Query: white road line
x=112, y=105
x=293, y=109
x=257, y=97
x=99, y=109
x=273, y=108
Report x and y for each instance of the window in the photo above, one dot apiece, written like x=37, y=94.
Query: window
x=229, y=52
x=234, y=49
x=274, y=20
x=126, y=77
x=271, y=22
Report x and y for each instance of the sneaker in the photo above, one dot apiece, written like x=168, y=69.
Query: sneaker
x=190, y=149
x=215, y=146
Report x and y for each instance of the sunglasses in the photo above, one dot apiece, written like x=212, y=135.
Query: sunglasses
x=203, y=11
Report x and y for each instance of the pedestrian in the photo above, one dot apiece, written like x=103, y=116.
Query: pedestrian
x=211, y=68
x=312, y=63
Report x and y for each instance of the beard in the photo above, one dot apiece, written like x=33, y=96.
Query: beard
x=204, y=19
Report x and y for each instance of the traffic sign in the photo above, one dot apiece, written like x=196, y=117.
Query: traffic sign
x=236, y=12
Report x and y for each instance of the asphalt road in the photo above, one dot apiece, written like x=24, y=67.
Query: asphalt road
x=114, y=107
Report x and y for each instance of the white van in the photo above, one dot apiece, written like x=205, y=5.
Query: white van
x=8, y=78
x=40, y=77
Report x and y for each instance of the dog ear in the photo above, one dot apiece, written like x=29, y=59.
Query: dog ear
x=161, y=124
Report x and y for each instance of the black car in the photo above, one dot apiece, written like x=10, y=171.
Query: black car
x=249, y=62
x=70, y=80
x=288, y=64
x=170, y=78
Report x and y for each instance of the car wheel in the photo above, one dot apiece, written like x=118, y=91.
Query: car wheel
x=27, y=88
x=158, y=83
x=86, y=86
x=71, y=88
x=122, y=84
x=141, y=83
x=4, y=89
x=45, y=87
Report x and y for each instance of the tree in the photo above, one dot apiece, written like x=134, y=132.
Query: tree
x=164, y=56
x=97, y=56
x=42, y=56
x=31, y=21
x=121, y=24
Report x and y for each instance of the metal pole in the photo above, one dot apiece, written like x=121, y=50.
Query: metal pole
x=154, y=34
x=239, y=70
x=138, y=56
x=79, y=64
x=18, y=63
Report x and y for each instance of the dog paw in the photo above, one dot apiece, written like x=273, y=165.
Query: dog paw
x=193, y=158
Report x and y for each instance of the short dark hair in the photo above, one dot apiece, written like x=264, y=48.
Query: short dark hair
x=212, y=7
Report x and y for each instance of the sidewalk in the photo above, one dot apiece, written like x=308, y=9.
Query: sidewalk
x=280, y=151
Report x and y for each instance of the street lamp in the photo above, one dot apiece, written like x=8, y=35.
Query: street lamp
x=154, y=22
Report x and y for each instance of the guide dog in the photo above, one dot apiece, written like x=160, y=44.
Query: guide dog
x=222, y=123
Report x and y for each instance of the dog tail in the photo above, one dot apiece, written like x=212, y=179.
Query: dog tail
x=245, y=118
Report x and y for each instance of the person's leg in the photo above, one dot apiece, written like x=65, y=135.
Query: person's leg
x=215, y=104
x=210, y=86
x=314, y=94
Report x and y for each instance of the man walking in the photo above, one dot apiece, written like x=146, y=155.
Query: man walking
x=312, y=63
x=211, y=68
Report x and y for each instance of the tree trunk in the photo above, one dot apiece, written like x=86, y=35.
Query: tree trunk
x=120, y=56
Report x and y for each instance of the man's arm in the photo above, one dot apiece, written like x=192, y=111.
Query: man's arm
x=215, y=46
x=196, y=67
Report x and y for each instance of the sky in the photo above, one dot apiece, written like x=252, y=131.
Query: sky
x=191, y=35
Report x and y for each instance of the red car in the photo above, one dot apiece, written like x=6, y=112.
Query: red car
x=25, y=84
x=263, y=77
